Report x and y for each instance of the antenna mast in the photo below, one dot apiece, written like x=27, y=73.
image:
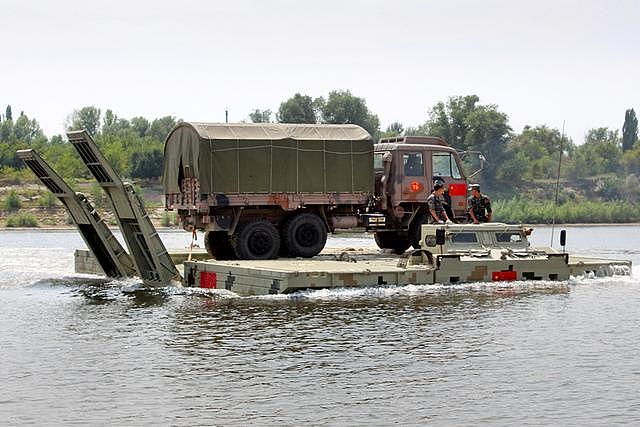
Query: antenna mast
x=555, y=202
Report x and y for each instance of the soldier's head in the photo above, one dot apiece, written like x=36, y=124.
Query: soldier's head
x=438, y=187
x=475, y=189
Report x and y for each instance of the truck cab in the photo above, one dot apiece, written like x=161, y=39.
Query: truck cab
x=405, y=169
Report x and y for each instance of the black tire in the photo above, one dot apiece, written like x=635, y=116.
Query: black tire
x=257, y=239
x=392, y=240
x=218, y=245
x=304, y=235
x=415, y=231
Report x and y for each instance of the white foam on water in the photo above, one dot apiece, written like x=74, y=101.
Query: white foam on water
x=414, y=290
x=204, y=292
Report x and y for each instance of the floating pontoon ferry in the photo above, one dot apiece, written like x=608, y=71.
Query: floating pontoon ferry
x=448, y=253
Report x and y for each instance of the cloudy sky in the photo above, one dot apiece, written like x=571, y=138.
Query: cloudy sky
x=541, y=62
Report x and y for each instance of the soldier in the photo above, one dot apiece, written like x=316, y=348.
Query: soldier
x=434, y=202
x=478, y=205
x=446, y=198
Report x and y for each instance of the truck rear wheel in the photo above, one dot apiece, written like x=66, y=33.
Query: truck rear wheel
x=257, y=239
x=304, y=235
x=218, y=245
x=392, y=240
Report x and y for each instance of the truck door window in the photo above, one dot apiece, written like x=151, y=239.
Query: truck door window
x=445, y=165
x=413, y=165
x=455, y=172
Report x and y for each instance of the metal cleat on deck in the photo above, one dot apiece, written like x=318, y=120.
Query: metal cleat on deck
x=108, y=252
x=152, y=261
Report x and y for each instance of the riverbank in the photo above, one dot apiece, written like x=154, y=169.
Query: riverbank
x=32, y=205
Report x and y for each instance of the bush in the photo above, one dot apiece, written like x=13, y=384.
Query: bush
x=98, y=196
x=13, y=176
x=47, y=200
x=138, y=190
x=168, y=219
x=22, y=220
x=12, y=202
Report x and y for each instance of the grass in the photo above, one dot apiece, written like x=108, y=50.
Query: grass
x=518, y=211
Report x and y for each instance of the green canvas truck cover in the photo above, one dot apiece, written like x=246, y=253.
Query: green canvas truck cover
x=269, y=158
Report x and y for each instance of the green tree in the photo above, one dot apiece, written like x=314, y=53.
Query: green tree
x=394, y=129
x=631, y=160
x=600, y=154
x=260, y=116
x=147, y=164
x=140, y=125
x=161, y=127
x=467, y=125
x=6, y=130
x=298, y=109
x=449, y=120
x=629, y=130
x=109, y=123
x=538, y=148
x=26, y=130
x=87, y=118
x=7, y=113
x=606, y=148
x=342, y=107
x=113, y=126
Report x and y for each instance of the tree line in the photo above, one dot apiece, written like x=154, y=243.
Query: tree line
x=135, y=146
x=605, y=166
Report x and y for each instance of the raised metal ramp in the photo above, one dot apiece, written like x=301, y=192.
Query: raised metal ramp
x=153, y=263
x=108, y=252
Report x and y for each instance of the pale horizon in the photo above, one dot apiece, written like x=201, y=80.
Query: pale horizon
x=541, y=63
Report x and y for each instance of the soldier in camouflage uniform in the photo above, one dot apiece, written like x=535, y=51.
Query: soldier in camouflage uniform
x=435, y=200
x=478, y=205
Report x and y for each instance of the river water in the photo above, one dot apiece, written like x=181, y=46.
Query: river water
x=77, y=350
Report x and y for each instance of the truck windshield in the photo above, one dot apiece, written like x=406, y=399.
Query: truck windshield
x=444, y=164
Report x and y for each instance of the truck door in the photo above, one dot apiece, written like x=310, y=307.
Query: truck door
x=414, y=178
x=445, y=165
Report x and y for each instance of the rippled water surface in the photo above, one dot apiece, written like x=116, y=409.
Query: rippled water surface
x=78, y=350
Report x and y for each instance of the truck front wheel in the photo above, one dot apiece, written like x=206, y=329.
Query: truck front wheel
x=392, y=240
x=257, y=239
x=218, y=245
x=304, y=235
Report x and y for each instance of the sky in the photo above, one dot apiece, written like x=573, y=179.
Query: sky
x=541, y=62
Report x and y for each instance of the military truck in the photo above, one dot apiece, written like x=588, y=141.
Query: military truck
x=260, y=191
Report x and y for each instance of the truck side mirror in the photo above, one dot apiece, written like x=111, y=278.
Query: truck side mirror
x=440, y=236
x=563, y=237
